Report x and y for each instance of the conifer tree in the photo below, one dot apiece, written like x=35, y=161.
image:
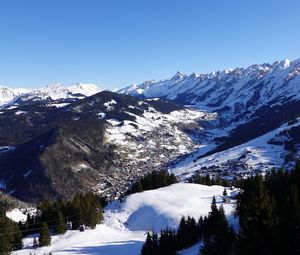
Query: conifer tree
x=291, y=223
x=200, y=227
x=167, y=242
x=257, y=219
x=218, y=237
x=10, y=235
x=137, y=187
x=60, y=227
x=150, y=246
x=182, y=234
x=17, y=243
x=44, y=238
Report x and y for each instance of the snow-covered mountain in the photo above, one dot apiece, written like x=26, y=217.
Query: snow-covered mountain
x=102, y=142
x=129, y=136
x=246, y=103
x=86, y=89
x=50, y=92
x=232, y=91
x=8, y=94
x=226, y=124
x=275, y=149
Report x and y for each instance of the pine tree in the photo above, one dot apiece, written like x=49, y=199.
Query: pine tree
x=150, y=246
x=60, y=227
x=167, y=242
x=207, y=180
x=182, y=234
x=17, y=243
x=291, y=223
x=137, y=187
x=218, y=236
x=171, y=179
x=44, y=238
x=213, y=207
x=225, y=192
x=10, y=235
x=193, y=236
x=147, y=246
x=200, y=227
x=257, y=218
x=209, y=246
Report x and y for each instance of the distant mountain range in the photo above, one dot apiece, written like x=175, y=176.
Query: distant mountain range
x=248, y=102
x=232, y=91
x=52, y=92
x=56, y=141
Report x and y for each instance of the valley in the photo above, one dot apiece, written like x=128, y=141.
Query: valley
x=229, y=125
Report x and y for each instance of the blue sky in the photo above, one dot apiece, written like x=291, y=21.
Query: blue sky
x=115, y=43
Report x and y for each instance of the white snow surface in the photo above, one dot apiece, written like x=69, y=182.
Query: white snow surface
x=87, y=89
x=8, y=94
x=126, y=133
x=258, y=154
x=194, y=250
x=124, y=228
x=237, y=88
x=54, y=91
x=157, y=209
x=18, y=215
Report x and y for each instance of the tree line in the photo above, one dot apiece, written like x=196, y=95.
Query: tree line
x=268, y=209
x=10, y=235
x=213, y=230
x=269, y=214
x=207, y=180
x=153, y=180
x=52, y=216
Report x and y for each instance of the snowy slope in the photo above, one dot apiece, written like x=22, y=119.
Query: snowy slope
x=123, y=133
x=125, y=224
x=238, y=90
x=52, y=91
x=246, y=103
x=59, y=91
x=8, y=94
x=157, y=209
x=257, y=154
x=86, y=89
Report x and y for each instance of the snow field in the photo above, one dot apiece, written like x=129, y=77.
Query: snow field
x=126, y=223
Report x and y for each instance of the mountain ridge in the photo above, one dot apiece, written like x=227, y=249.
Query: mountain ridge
x=215, y=90
x=53, y=91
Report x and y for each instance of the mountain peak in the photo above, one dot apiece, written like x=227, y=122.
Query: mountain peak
x=234, y=90
x=86, y=89
x=284, y=64
x=178, y=76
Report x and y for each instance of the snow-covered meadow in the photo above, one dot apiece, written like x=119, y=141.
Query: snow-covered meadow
x=126, y=223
